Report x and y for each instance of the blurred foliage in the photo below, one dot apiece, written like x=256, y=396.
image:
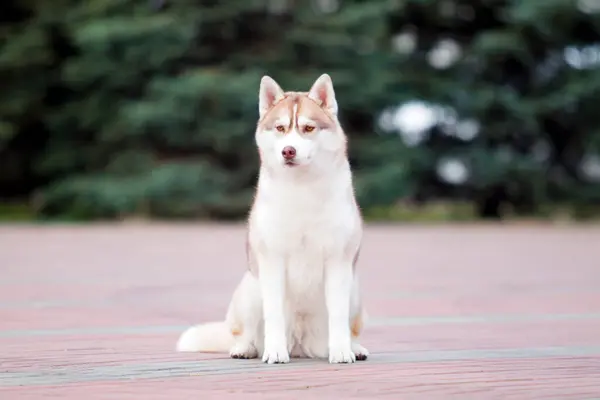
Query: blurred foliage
x=119, y=108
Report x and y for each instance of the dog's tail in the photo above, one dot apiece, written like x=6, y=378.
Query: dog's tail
x=211, y=337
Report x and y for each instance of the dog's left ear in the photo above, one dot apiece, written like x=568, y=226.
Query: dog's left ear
x=322, y=92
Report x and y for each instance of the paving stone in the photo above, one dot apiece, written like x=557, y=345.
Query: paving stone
x=470, y=311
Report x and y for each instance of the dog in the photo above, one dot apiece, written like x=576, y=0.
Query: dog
x=300, y=296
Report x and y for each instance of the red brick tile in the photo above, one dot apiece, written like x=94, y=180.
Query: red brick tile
x=458, y=312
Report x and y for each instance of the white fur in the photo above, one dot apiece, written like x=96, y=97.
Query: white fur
x=206, y=338
x=301, y=293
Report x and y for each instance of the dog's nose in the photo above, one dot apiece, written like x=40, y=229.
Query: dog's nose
x=288, y=152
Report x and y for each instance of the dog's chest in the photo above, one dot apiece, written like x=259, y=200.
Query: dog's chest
x=307, y=229
x=306, y=232
x=305, y=271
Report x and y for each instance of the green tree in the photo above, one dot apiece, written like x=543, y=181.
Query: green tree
x=149, y=107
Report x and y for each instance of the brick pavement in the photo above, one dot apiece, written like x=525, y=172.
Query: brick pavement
x=456, y=312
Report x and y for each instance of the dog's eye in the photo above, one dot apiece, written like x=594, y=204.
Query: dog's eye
x=280, y=128
x=309, y=128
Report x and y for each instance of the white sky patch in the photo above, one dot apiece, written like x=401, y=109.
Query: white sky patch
x=467, y=129
x=444, y=54
x=453, y=171
x=590, y=167
x=587, y=57
x=326, y=6
x=277, y=6
x=405, y=42
x=588, y=6
x=413, y=119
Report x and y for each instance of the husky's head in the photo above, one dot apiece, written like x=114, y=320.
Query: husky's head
x=299, y=130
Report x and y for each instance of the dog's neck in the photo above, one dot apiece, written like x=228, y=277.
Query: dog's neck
x=305, y=183
x=307, y=175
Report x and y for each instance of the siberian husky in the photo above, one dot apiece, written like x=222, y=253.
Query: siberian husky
x=300, y=296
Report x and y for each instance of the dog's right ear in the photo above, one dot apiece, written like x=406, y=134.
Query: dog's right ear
x=269, y=94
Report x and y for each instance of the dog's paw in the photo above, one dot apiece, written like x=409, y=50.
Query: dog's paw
x=276, y=353
x=341, y=355
x=360, y=352
x=243, y=351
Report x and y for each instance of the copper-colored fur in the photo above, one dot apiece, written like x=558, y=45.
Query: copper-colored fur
x=305, y=106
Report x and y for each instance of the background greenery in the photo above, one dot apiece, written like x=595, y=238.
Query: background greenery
x=122, y=108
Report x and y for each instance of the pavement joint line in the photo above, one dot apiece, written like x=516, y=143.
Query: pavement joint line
x=226, y=366
x=373, y=322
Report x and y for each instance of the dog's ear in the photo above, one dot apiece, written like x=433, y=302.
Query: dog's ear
x=322, y=92
x=269, y=94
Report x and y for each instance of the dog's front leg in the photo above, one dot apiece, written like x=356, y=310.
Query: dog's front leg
x=338, y=289
x=272, y=286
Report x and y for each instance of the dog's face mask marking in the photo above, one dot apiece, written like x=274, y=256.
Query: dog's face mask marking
x=297, y=129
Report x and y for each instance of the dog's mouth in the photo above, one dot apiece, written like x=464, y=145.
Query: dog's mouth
x=290, y=163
